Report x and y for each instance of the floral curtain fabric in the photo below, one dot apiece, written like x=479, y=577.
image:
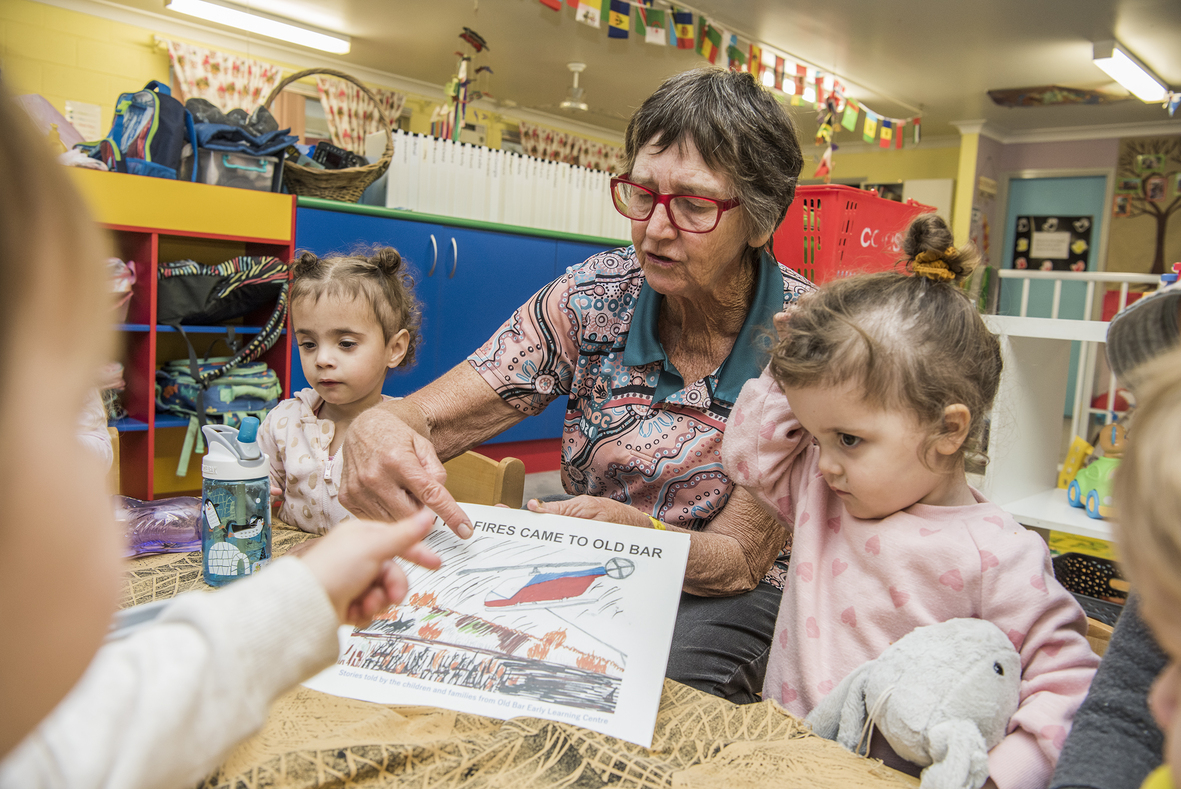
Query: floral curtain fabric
x=226, y=81
x=560, y=146
x=351, y=115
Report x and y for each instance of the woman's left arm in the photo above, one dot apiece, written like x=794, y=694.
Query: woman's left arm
x=729, y=556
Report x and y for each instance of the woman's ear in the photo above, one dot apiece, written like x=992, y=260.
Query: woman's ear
x=398, y=345
x=957, y=418
x=760, y=242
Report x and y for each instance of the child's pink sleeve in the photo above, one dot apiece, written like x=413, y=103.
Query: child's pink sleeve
x=762, y=444
x=270, y=447
x=1048, y=627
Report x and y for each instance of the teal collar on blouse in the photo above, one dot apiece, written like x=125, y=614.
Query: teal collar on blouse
x=745, y=359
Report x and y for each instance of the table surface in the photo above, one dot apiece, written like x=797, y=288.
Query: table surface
x=312, y=739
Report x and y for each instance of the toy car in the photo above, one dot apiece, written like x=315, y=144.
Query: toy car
x=1091, y=487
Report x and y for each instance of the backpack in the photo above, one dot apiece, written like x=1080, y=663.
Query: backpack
x=148, y=135
x=192, y=293
x=218, y=393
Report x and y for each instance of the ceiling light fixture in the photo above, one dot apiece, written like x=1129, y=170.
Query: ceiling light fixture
x=1128, y=71
x=263, y=24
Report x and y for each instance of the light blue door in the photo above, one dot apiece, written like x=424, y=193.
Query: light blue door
x=1069, y=196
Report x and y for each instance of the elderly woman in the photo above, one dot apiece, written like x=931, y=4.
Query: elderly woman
x=651, y=344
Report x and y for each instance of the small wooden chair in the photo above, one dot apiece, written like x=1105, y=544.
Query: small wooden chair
x=1098, y=635
x=478, y=479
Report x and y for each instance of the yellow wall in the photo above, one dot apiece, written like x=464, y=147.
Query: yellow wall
x=892, y=166
x=66, y=55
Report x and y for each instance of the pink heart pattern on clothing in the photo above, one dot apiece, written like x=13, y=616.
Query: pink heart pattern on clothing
x=738, y=418
x=899, y=597
x=1055, y=734
x=849, y=617
x=811, y=628
x=988, y=559
x=1038, y=582
x=873, y=545
x=743, y=470
x=999, y=521
x=1017, y=637
x=953, y=579
x=787, y=694
x=804, y=570
x=783, y=504
x=838, y=567
x=834, y=524
x=1052, y=649
x=767, y=432
x=783, y=638
x=825, y=687
x=804, y=518
x=928, y=532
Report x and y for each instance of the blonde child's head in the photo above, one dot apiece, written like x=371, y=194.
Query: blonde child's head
x=376, y=277
x=909, y=343
x=59, y=554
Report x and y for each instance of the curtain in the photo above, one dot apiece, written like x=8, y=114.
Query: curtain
x=559, y=146
x=351, y=115
x=226, y=81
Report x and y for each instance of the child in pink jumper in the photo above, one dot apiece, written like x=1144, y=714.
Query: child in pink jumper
x=355, y=318
x=855, y=438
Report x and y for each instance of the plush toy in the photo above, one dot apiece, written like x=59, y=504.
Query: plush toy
x=942, y=696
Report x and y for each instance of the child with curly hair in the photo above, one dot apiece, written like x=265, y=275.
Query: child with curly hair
x=856, y=438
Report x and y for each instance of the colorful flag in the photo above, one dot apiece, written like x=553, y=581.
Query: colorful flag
x=589, y=12
x=898, y=134
x=887, y=137
x=572, y=3
x=780, y=64
x=801, y=75
x=871, y=127
x=683, y=22
x=650, y=25
x=619, y=21
x=755, y=63
x=554, y=4
x=735, y=57
x=849, y=119
x=702, y=24
x=824, y=170
x=821, y=96
x=711, y=43
x=918, y=133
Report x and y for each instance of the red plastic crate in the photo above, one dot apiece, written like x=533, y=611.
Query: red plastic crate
x=836, y=231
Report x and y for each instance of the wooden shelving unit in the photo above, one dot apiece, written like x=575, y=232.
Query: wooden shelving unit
x=153, y=221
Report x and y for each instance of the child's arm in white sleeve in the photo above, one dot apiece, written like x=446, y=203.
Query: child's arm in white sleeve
x=164, y=706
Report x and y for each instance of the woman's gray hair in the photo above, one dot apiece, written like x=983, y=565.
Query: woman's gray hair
x=741, y=130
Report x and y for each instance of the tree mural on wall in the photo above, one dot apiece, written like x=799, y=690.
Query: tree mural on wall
x=1153, y=162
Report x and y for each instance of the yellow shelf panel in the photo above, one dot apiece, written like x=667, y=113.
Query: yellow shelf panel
x=184, y=207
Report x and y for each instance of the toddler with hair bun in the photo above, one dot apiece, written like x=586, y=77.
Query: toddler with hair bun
x=857, y=438
x=354, y=318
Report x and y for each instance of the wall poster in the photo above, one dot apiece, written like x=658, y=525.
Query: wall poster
x=535, y=615
x=1052, y=243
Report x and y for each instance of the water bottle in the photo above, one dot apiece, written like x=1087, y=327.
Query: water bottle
x=235, y=503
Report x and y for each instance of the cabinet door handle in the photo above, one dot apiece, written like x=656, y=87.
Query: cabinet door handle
x=454, y=258
x=434, y=256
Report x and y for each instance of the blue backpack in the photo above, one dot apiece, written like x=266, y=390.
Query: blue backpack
x=148, y=135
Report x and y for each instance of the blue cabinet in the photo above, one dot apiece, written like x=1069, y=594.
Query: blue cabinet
x=469, y=281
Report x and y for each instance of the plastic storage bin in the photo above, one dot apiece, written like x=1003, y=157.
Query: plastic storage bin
x=835, y=231
x=241, y=170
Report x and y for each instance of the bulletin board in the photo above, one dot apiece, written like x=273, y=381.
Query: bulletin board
x=1052, y=243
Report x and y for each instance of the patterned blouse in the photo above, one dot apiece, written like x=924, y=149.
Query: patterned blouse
x=634, y=431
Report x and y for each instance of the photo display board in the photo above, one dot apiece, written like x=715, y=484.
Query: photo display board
x=1052, y=243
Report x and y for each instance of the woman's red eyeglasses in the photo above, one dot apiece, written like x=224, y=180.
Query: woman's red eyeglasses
x=688, y=213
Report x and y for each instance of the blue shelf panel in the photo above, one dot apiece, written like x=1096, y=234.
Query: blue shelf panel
x=141, y=327
x=168, y=420
x=128, y=425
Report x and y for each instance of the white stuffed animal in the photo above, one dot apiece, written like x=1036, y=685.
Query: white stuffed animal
x=942, y=696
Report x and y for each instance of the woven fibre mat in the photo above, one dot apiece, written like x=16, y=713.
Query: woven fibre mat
x=313, y=739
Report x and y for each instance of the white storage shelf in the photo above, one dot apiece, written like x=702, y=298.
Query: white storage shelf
x=1026, y=429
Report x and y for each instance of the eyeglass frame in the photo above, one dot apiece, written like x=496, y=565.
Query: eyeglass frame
x=666, y=201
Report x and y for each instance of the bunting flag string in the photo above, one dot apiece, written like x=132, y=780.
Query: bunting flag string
x=805, y=86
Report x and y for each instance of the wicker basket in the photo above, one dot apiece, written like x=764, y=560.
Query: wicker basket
x=349, y=183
